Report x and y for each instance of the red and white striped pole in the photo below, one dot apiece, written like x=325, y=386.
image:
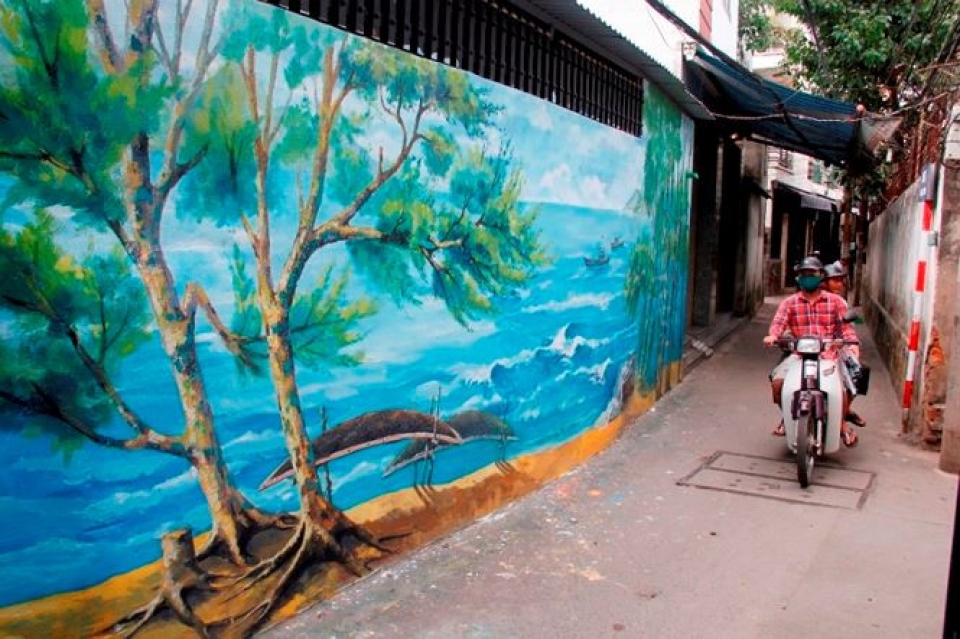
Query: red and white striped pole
x=925, y=195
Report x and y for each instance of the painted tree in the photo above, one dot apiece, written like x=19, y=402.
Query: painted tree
x=435, y=214
x=655, y=288
x=92, y=124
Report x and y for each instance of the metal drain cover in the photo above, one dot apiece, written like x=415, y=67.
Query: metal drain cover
x=830, y=486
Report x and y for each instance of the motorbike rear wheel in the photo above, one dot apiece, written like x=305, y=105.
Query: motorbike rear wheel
x=806, y=448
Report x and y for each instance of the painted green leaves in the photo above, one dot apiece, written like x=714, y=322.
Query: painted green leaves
x=71, y=323
x=64, y=121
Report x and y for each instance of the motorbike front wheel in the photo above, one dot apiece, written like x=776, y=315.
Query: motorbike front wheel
x=806, y=448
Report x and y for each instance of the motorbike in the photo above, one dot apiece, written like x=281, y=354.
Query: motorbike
x=812, y=405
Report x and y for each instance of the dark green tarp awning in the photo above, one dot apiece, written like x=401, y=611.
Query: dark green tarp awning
x=771, y=113
x=799, y=199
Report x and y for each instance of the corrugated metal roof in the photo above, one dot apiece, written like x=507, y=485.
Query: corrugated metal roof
x=592, y=32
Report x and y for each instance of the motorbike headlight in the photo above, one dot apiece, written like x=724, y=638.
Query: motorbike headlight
x=808, y=345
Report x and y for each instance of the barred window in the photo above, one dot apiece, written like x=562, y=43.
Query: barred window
x=498, y=41
x=785, y=159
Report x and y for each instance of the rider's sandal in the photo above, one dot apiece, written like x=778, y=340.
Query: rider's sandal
x=856, y=420
x=849, y=437
x=779, y=431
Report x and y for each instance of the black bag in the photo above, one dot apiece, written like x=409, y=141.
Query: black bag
x=859, y=374
x=862, y=381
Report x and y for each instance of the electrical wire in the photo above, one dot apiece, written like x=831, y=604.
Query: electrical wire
x=857, y=118
x=653, y=19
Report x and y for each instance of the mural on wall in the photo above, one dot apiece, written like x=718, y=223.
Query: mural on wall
x=311, y=297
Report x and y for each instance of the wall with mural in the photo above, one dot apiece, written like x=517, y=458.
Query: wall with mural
x=279, y=303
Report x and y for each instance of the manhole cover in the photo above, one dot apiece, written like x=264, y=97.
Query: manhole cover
x=830, y=486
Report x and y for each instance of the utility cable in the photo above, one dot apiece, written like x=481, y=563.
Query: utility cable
x=857, y=118
x=653, y=19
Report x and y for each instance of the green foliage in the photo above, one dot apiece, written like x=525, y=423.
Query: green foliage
x=756, y=30
x=71, y=321
x=407, y=82
x=653, y=288
x=353, y=165
x=467, y=247
x=439, y=150
x=877, y=53
x=64, y=124
x=472, y=245
x=641, y=271
x=863, y=43
x=403, y=211
x=247, y=321
x=322, y=321
x=222, y=186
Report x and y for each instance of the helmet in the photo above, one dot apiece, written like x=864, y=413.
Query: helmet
x=809, y=263
x=834, y=269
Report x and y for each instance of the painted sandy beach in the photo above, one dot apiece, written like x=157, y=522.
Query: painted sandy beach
x=412, y=517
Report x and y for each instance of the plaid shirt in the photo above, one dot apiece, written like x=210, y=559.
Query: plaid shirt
x=822, y=317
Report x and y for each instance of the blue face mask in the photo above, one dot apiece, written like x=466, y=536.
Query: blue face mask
x=809, y=283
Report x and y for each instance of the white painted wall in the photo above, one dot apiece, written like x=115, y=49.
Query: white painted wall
x=890, y=274
x=658, y=37
x=725, y=24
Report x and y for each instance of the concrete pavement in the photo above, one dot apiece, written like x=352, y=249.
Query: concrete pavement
x=691, y=525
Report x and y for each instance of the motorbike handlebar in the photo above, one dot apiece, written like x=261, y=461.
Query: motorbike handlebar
x=788, y=342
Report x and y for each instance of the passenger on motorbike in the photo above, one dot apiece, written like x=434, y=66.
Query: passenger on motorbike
x=811, y=311
x=835, y=281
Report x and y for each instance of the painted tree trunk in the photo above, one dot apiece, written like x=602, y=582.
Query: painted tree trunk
x=314, y=508
x=200, y=438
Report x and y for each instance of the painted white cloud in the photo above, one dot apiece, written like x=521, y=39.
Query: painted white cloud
x=561, y=184
x=539, y=117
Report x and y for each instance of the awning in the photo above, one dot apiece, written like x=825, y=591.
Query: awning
x=770, y=113
x=805, y=199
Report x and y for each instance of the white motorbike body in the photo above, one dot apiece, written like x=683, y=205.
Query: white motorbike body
x=830, y=383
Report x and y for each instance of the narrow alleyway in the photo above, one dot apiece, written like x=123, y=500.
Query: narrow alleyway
x=688, y=527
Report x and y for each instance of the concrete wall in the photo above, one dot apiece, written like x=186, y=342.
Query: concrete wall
x=217, y=254
x=754, y=172
x=948, y=283
x=889, y=280
x=725, y=24
x=941, y=317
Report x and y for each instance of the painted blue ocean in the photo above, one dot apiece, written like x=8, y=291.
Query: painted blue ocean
x=549, y=364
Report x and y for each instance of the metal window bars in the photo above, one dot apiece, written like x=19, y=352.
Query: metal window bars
x=498, y=41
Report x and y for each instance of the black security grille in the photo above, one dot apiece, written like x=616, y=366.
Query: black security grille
x=495, y=40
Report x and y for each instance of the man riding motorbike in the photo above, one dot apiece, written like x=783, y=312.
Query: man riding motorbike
x=811, y=311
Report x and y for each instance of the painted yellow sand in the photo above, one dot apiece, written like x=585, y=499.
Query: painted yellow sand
x=417, y=515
